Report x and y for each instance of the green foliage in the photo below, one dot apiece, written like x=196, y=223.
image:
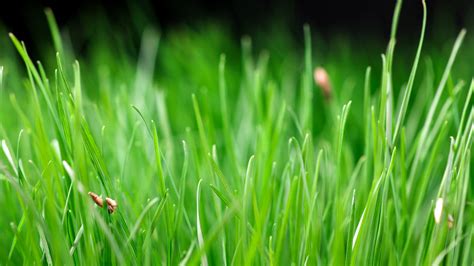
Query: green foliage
x=216, y=160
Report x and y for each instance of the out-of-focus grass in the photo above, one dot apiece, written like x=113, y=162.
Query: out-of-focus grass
x=218, y=153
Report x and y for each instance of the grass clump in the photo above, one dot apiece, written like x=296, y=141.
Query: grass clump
x=261, y=168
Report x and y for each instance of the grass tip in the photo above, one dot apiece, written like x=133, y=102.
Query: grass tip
x=306, y=27
x=68, y=169
x=1, y=77
x=438, y=211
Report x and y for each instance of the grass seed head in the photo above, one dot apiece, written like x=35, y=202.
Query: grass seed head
x=111, y=205
x=450, y=221
x=321, y=78
x=97, y=199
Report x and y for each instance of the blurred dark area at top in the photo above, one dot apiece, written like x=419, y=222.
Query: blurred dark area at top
x=355, y=18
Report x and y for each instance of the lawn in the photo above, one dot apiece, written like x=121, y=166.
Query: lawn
x=192, y=148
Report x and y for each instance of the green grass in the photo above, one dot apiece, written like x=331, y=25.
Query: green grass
x=233, y=159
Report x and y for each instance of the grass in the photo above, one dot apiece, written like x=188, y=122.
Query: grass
x=216, y=161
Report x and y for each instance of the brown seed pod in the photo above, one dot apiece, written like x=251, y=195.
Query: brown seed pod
x=98, y=200
x=321, y=78
x=111, y=205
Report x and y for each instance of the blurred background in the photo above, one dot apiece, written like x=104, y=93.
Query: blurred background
x=245, y=16
x=339, y=27
x=357, y=19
